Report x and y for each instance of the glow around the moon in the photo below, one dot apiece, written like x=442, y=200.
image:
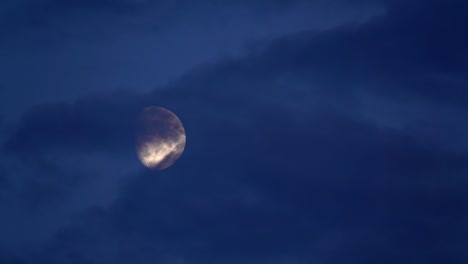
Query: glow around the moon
x=160, y=138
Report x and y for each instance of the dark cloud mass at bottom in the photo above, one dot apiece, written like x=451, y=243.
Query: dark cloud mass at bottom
x=316, y=150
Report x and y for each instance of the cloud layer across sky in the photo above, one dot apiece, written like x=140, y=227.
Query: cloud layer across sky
x=73, y=48
x=317, y=132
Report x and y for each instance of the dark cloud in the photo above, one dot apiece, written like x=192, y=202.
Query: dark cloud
x=400, y=50
x=363, y=188
x=326, y=147
x=88, y=124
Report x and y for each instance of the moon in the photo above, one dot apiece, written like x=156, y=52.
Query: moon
x=160, y=138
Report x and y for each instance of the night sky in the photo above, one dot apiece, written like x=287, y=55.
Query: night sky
x=318, y=131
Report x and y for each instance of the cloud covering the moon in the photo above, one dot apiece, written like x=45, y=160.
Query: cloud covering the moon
x=160, y=138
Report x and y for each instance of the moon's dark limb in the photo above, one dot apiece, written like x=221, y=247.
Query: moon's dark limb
x=160, y=138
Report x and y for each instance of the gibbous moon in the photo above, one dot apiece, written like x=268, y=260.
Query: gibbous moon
x=160, y=138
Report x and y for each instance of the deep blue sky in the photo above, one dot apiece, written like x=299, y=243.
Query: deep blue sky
x=318, y=131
